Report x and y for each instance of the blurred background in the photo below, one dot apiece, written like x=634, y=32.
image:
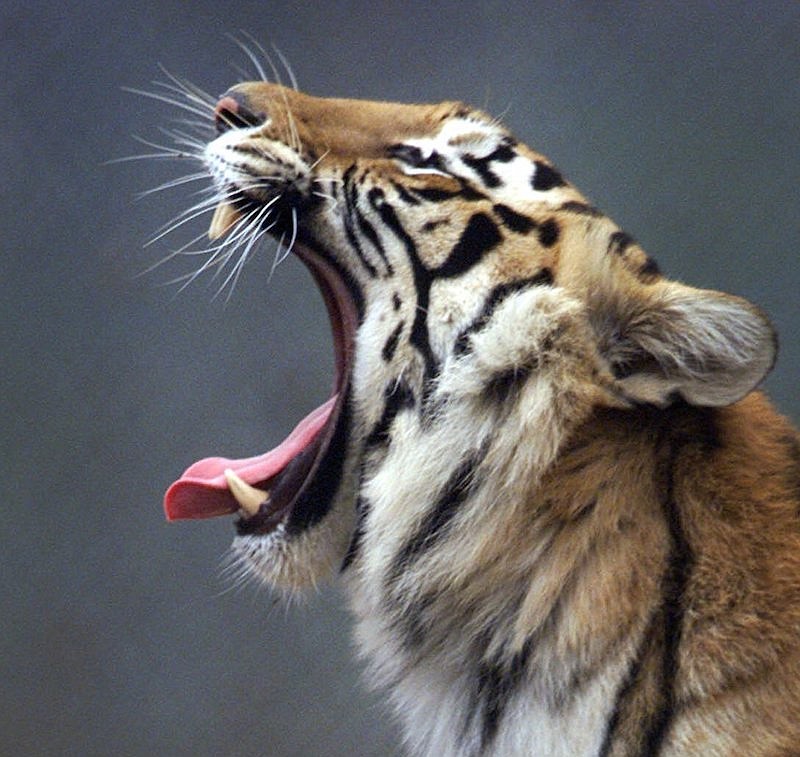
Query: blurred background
x=120, y=633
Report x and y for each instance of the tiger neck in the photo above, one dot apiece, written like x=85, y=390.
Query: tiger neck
x=460, y=571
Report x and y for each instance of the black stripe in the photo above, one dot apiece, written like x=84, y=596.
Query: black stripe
x=422, y=278
x=377, y=199
x=619, y=242
x=430, y=226
x=666, y=629
x=398, y=398
x=632, y=681
x=368, y=230
x=676, y=581
x=362, y=509
x=434, y=194
x=497, y=683
x=549, y=232
x=387, y=353
x=546, y=177
x=490, y=688
x=650, y=268
x=415, y=620
x=479, y=236
x=350, y=212
x=436, y=524
x=580, y=208
x=495, y=298
x=514, y=221
x=502, y=385
x=481, y=167
x=403, y=193
x=502, y=154
x=412, y=156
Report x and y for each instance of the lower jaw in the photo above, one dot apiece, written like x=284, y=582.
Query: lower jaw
x=288, y=488
x=292, y=478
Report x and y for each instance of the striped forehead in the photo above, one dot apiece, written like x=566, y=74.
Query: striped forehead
x=485, y=154
x=458, y=137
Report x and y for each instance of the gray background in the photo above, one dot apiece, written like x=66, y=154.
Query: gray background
x=118, y=632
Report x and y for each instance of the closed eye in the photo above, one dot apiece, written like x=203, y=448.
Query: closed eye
x=414, y=161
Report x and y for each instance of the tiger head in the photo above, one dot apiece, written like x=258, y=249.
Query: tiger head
x=481, y=310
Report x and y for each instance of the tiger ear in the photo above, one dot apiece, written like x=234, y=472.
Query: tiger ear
x=710, y=348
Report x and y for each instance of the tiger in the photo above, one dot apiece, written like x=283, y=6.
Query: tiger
x=566, y=519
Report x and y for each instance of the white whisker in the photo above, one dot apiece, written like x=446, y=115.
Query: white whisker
x=249, y=53
x=209, y=201
x=318, y=160
x=173, y=183
x=217, y=256
x=203, y=126
x=249, y=232
x=294, y=136
x=294, y=229
x=241, y=74
x=187, y=137
x=184, y=87
x=165, y=99
x=146, y=156
x=164, y=151
x=288, y=68
x=182, y=138
x=233, y=276
x=328, y=180
x=174, y=253
x=157, y=146
x=191, y=99
x=203, y=207
x=277, y=257
x=334, y=201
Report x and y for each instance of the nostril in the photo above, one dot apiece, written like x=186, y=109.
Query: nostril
x=231, y=113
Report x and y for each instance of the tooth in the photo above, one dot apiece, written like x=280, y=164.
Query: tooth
x=249, y=498
x=224, y=217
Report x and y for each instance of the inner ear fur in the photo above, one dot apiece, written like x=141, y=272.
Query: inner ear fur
x=708, y=347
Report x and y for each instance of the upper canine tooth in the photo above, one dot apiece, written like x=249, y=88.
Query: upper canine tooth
x=249, y=498
x=224, y=217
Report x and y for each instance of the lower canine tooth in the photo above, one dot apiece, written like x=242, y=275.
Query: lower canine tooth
x=224, y=217
x=249, y=498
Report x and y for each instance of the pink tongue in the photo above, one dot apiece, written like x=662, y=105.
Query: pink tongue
x=202, y=491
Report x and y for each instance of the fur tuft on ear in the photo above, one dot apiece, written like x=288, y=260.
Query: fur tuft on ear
x=709, y=347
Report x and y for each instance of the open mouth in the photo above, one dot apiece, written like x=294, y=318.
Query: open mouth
x=265, y=489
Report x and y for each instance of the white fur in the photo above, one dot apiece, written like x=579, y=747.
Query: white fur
x=464, y=136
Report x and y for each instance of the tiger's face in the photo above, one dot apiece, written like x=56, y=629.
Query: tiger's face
x=480, y=311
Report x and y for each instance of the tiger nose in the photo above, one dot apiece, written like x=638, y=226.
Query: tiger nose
x=231, y=112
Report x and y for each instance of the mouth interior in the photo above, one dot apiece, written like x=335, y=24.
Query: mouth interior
x=202, y=490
